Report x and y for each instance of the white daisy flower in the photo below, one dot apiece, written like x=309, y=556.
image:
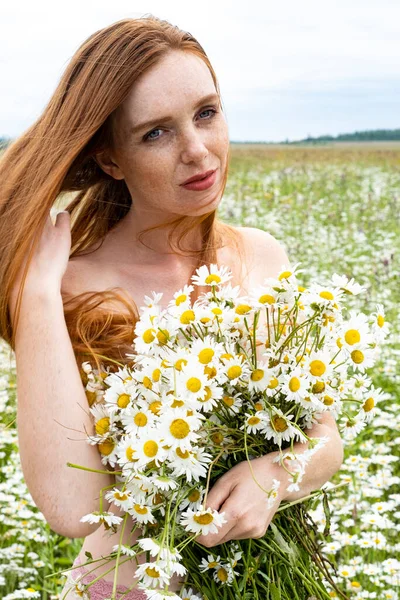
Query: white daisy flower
x=236, y=369
x=295, y=385
x=189, y=594
x=202, y=521
x=191, y=381
x=349, y=286
x=137, y=420
x=151, y=575
x=180, y=297
x=259, y=377
x=253, y=423
x=278, y=426
x=142, y=513
x=108, y=518
x=121, y=498
x=379, y=327
x=211, y=562
x=213, y=275
x=178, y=429
x=193, y=464
x=149, y=448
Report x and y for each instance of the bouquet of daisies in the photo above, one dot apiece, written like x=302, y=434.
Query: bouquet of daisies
x=213, y=383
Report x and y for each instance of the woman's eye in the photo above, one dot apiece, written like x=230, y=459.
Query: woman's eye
x=212, y=110
x=149, y=135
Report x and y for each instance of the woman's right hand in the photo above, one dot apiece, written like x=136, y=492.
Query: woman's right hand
x=49, y=261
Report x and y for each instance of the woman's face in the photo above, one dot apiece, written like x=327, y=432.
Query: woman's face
x=156, y=159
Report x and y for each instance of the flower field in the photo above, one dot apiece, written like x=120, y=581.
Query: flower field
x=336, y=211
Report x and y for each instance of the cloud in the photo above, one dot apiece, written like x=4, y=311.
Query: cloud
x=266, y=55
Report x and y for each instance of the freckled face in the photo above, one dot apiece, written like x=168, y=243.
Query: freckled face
x=157, y=159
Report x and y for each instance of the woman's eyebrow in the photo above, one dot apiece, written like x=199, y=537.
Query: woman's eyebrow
x=160, y=120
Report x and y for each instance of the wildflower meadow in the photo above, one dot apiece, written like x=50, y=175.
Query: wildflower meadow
x=336, y=210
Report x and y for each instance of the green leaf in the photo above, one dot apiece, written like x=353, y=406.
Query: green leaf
x=275, y=592
x=88, y=555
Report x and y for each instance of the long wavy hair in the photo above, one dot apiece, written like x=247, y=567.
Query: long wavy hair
x=56, y=156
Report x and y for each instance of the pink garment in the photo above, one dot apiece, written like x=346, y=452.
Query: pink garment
x=102, y=588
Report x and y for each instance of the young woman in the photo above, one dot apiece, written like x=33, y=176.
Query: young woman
x=135, y=118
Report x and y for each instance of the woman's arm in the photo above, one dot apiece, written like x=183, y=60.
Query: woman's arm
x=52, y=417
x=52, y=409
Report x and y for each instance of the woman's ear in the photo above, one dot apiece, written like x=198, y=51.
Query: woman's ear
x=107, y=163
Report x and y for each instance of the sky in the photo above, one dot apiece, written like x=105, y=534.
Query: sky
x=286, y=69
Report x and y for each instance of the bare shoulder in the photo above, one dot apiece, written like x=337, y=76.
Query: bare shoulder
x=80, y=277
x=265, y=253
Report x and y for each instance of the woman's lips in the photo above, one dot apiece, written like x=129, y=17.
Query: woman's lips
x=202, y=184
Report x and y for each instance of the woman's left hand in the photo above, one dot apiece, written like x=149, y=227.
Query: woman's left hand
x=245, y=505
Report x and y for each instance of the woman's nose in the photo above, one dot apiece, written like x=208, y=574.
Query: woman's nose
x=194, y=148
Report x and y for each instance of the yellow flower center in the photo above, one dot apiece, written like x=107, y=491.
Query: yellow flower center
x=182, y=454
x=216, y=311
x=234, y=372
x=273, y=383
x=163, y=336
x=141, y=510
x=193, y=384
x=326, y=295
x=194, y=496
x=140, y=419
x=179, y=299
x=294, y=384
x=357, y=357
x=155, y=407
x=352, y=336
x=129, y=452
x=318, y=387
x=179, y=429
x=148, y=336
x=120, y=496
x=228, y=400
x=242, y=309
x=147, y=382
x=106, y=447
x=257, y=374
x=285, y=275
x=369, y=404
x=204, y=519
x=266, y=299
x=253, y=420
x=217, y=438
x=150, y=448
x=212, y=564
x=152, y=572
x=205, y=355
x=317, y=368
x=380, y=320
x=207, y=395
x=177, y=403
x=210, y=372
x=156, y=375
x=102, y=426
x=179, y=363
x=91, y=397
x=279, y=423
x=123, y=400
x=213, y=278
x=328, y=400
x=187, y=317
x=222, y=574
